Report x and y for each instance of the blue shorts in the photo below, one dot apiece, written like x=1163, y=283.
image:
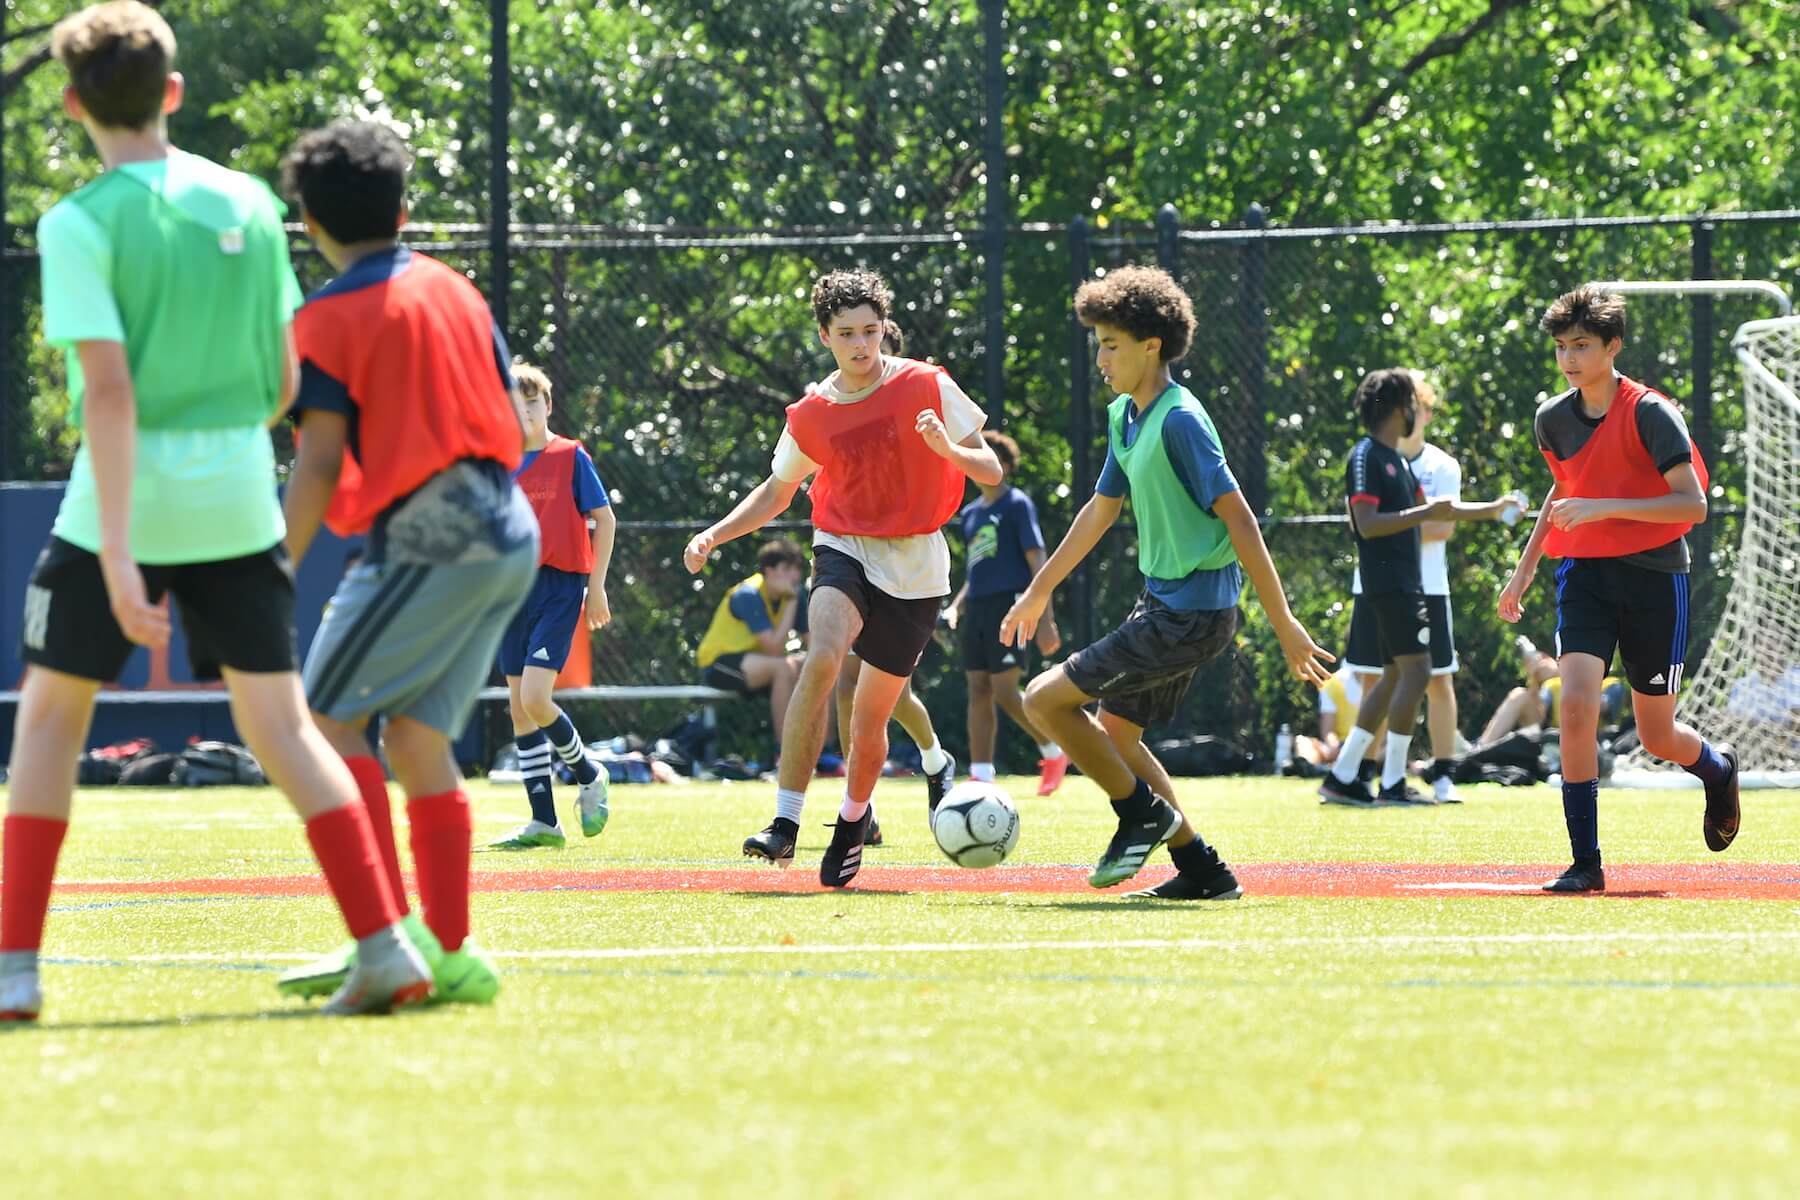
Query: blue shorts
x=544, y=628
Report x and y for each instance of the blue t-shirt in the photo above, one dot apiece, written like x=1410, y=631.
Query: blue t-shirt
x=997, y=536
x=590, y=493
x=1199, y=463
x=747, y=606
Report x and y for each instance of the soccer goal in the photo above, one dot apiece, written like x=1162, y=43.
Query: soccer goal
x=1747, y=690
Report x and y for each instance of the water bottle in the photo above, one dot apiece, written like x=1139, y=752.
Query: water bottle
x=1284, y=747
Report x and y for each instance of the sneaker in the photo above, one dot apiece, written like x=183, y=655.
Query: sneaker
x=1051, y=772
x=1580, y=877
x=1215, y=883
x=534, y=835
x=1402, y=792
x=1720, y=824
x=393, y=977
x=775, y=843
x=21, y=998
x=843, y=858
x=936, y=785
x=465, y=976
x=1443, y=790
x=590, y=807
x=325, y=975
x=1333, y=790
x=1136, y=838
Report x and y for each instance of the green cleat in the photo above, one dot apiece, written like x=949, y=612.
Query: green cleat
x=465, y=976
x=590, y=806
x=535, y=835
x=324, y=976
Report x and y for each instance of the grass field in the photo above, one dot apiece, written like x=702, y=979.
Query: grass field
x=750, y=1036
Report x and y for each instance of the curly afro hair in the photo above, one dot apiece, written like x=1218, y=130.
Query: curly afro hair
x=841, y=290
x=1145, y=302
x=351, y=178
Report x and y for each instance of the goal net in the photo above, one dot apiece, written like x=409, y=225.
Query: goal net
x=1747, y=688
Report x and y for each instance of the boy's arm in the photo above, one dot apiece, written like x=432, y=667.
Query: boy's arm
x=1305, y=658
x=1049, y=638
x=1090, y=525
x=774, y=639
x=1684, y=505
x=318, y=460
x=109, y=429
x=290, y=377
x=972, y=456
x=953, y=611
x=766, y=501
x=1512, y=596
x=599, y=609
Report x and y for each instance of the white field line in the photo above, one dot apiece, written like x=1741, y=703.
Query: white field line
x=1392, y=941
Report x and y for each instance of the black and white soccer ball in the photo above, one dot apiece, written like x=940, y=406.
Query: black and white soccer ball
x=976, y=824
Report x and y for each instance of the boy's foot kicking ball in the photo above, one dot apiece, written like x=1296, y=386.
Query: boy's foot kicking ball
x=1146, y=821
x=1580, y=877
x=775, y=842
x=938, y=783
x=532, y=835
x=1720, y=824
x=1199, y=875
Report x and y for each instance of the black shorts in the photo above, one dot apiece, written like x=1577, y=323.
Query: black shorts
x=1603, y=604
x=1142, y=669
x=727, y=674
x=895, y=632
x=237, y=613
x=982, y=649
x=1364, y=651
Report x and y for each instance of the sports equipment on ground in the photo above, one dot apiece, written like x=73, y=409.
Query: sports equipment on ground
x=976, y=824
x=1134, y=841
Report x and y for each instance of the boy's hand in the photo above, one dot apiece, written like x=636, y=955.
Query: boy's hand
x=953, y=615
x=699, y=547
x=1576, y=510
x=930, y=426
x=1512, y=598
x=144, y=623
x=599, y=610
x=1020, y=623
x=1306, y=659
x=1049, y=638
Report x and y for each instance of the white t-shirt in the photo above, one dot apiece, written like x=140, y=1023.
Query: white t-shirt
x=907, y=568
x=1439, y=478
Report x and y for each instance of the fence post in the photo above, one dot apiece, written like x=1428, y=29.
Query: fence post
x=1168, y=257
x=499, y=174
x=8, y=369
x=1251, y=463
x=1700, y=400
x=1081, y=427
x=993, y=13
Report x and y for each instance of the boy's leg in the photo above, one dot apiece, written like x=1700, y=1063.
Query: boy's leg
x=535, y=687
x=534, y=751
x=775, y=674
x=842, y=697
x=441, y=825
x=1200, y=874
x=1582, y=675
x=939, y=767
x=1409, y=674
x=1053, y=764
x=876, y=693
x=983, y=724
x=1341, y=784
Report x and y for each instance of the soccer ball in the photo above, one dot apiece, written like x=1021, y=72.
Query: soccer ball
x=976, y=825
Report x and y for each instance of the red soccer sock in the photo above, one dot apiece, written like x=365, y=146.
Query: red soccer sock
x=28, y=868
x=441, y=833
x=371, y=784
x=345, y=847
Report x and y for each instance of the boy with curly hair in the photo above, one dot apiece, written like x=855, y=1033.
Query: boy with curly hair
x=1197, y=538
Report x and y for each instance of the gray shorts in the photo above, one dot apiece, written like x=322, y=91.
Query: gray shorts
x=1141, y=670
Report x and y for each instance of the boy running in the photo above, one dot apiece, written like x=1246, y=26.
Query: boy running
x=1005, y=550
x=173, y=490
x=1387, y=507
x=1194, y=528
x=409, y=433
x=891, y=441
x=1629, y=484
x=575, y=545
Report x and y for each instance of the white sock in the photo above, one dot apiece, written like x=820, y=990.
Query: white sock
x=852, y=810
x=1049, y=750
x=1350, y=754
x=1393, y=768
x=983, y=772
x=933, y=758
x=788, y=805
x=18, y=962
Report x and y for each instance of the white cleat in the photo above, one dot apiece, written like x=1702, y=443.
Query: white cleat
x=21, y=999
x=590, y=805
x=388, y=975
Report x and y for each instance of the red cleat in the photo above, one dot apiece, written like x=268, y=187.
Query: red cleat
x=1051, y=774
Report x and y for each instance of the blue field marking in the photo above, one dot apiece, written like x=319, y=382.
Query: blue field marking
x=160, y=966
x=98, y=905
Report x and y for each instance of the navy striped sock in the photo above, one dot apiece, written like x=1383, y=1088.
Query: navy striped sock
x=534, y=765
x=569, y=748
x=1581, y=812
x=1710, y=767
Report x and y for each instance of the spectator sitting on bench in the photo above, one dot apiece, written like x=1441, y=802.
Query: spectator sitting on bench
x=745, y=647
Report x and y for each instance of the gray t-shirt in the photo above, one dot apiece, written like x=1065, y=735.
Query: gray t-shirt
x=1563, y=429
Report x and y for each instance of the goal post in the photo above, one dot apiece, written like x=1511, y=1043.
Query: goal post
x=1747, y=688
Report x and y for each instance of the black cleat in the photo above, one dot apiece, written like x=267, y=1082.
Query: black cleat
x=937, y=785
x=1402, y=793
x=874, y=838
x=1332, y=790
x=1722, y=813
x=843, y=858
x=1136, y=838
x=1216, y=882
x=1580, y=877
x=775, y=843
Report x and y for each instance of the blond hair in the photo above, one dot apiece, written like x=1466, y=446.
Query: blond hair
x=118, y=56
x=532, y=381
